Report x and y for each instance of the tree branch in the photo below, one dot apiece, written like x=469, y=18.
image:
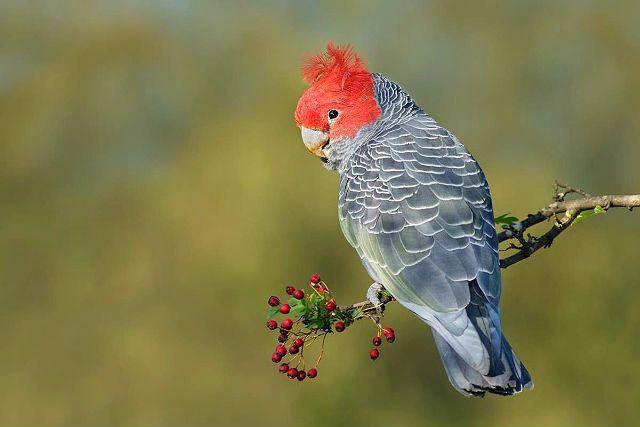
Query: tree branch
x=564, y=213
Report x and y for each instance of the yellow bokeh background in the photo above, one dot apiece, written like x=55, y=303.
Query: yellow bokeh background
x=154, y=192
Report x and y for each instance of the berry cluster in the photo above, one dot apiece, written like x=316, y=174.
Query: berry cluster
x=312, y=316
x=309, y=317
x=389, y=335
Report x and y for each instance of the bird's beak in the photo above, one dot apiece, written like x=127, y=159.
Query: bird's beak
x=315, y=140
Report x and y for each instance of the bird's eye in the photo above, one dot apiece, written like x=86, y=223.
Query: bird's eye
x=333, y=114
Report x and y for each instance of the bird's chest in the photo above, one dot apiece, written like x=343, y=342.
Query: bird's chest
x=364, y=193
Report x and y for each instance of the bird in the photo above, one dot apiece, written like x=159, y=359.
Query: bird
x=417, y=208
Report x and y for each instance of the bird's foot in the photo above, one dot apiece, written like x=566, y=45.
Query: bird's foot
x=373, y=295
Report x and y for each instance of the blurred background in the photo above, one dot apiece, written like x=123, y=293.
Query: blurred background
x=154, y=191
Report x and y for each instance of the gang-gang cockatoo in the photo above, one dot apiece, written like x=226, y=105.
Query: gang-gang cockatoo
x=416, y=207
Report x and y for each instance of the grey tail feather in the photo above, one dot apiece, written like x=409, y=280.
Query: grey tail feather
x=470, y=382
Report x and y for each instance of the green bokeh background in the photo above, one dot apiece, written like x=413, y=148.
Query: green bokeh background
x=154, y=191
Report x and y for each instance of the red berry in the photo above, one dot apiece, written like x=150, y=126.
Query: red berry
x=377, y=341
x=276, y=358
x=281, y=350
x=293, y=349
x=285, y=308
x=389, y=334
x=315, y=279
x=298, y=342
x=340, y=326
x=286, y=324
x=292, y=373
x=374, y=353
x=290, y=290
x=272, y=324
x=320, y=289
x=298, y=294
x=312, y=372
x=301, y=375
x=274, y=301
x=330, y=305
x=283, y=368
x=282, y=338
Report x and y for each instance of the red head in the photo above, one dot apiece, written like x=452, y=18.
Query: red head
x=340, y=100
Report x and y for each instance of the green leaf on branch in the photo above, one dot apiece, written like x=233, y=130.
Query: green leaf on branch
x=272, y=312
x=300, y=308
x=506, y=219
x=385, y=294
x=314, y=323
x=586, y=214
x=356, y=313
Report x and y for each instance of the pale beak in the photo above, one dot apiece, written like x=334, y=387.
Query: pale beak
x=315, y=140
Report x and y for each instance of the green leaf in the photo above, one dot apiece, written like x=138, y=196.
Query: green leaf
x=586, y=214
x=311, y=323
x=507, y=219
x=300, y=308
x=272, y=312
x=356, y=313
x=313, y=297
x=385, y=294
x=316, y=323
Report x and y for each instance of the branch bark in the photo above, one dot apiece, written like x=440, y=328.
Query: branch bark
x=564, y=213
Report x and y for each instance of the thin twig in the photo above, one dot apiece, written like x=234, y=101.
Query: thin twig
x=561, y=190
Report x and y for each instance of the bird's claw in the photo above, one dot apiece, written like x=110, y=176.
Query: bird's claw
x=373, y=295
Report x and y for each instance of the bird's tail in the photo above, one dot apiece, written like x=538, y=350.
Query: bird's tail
x=512, y=379
x=476, y=355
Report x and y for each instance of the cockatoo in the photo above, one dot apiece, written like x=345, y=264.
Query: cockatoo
x=416, y=206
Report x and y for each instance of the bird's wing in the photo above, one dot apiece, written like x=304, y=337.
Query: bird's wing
x=416, y=206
